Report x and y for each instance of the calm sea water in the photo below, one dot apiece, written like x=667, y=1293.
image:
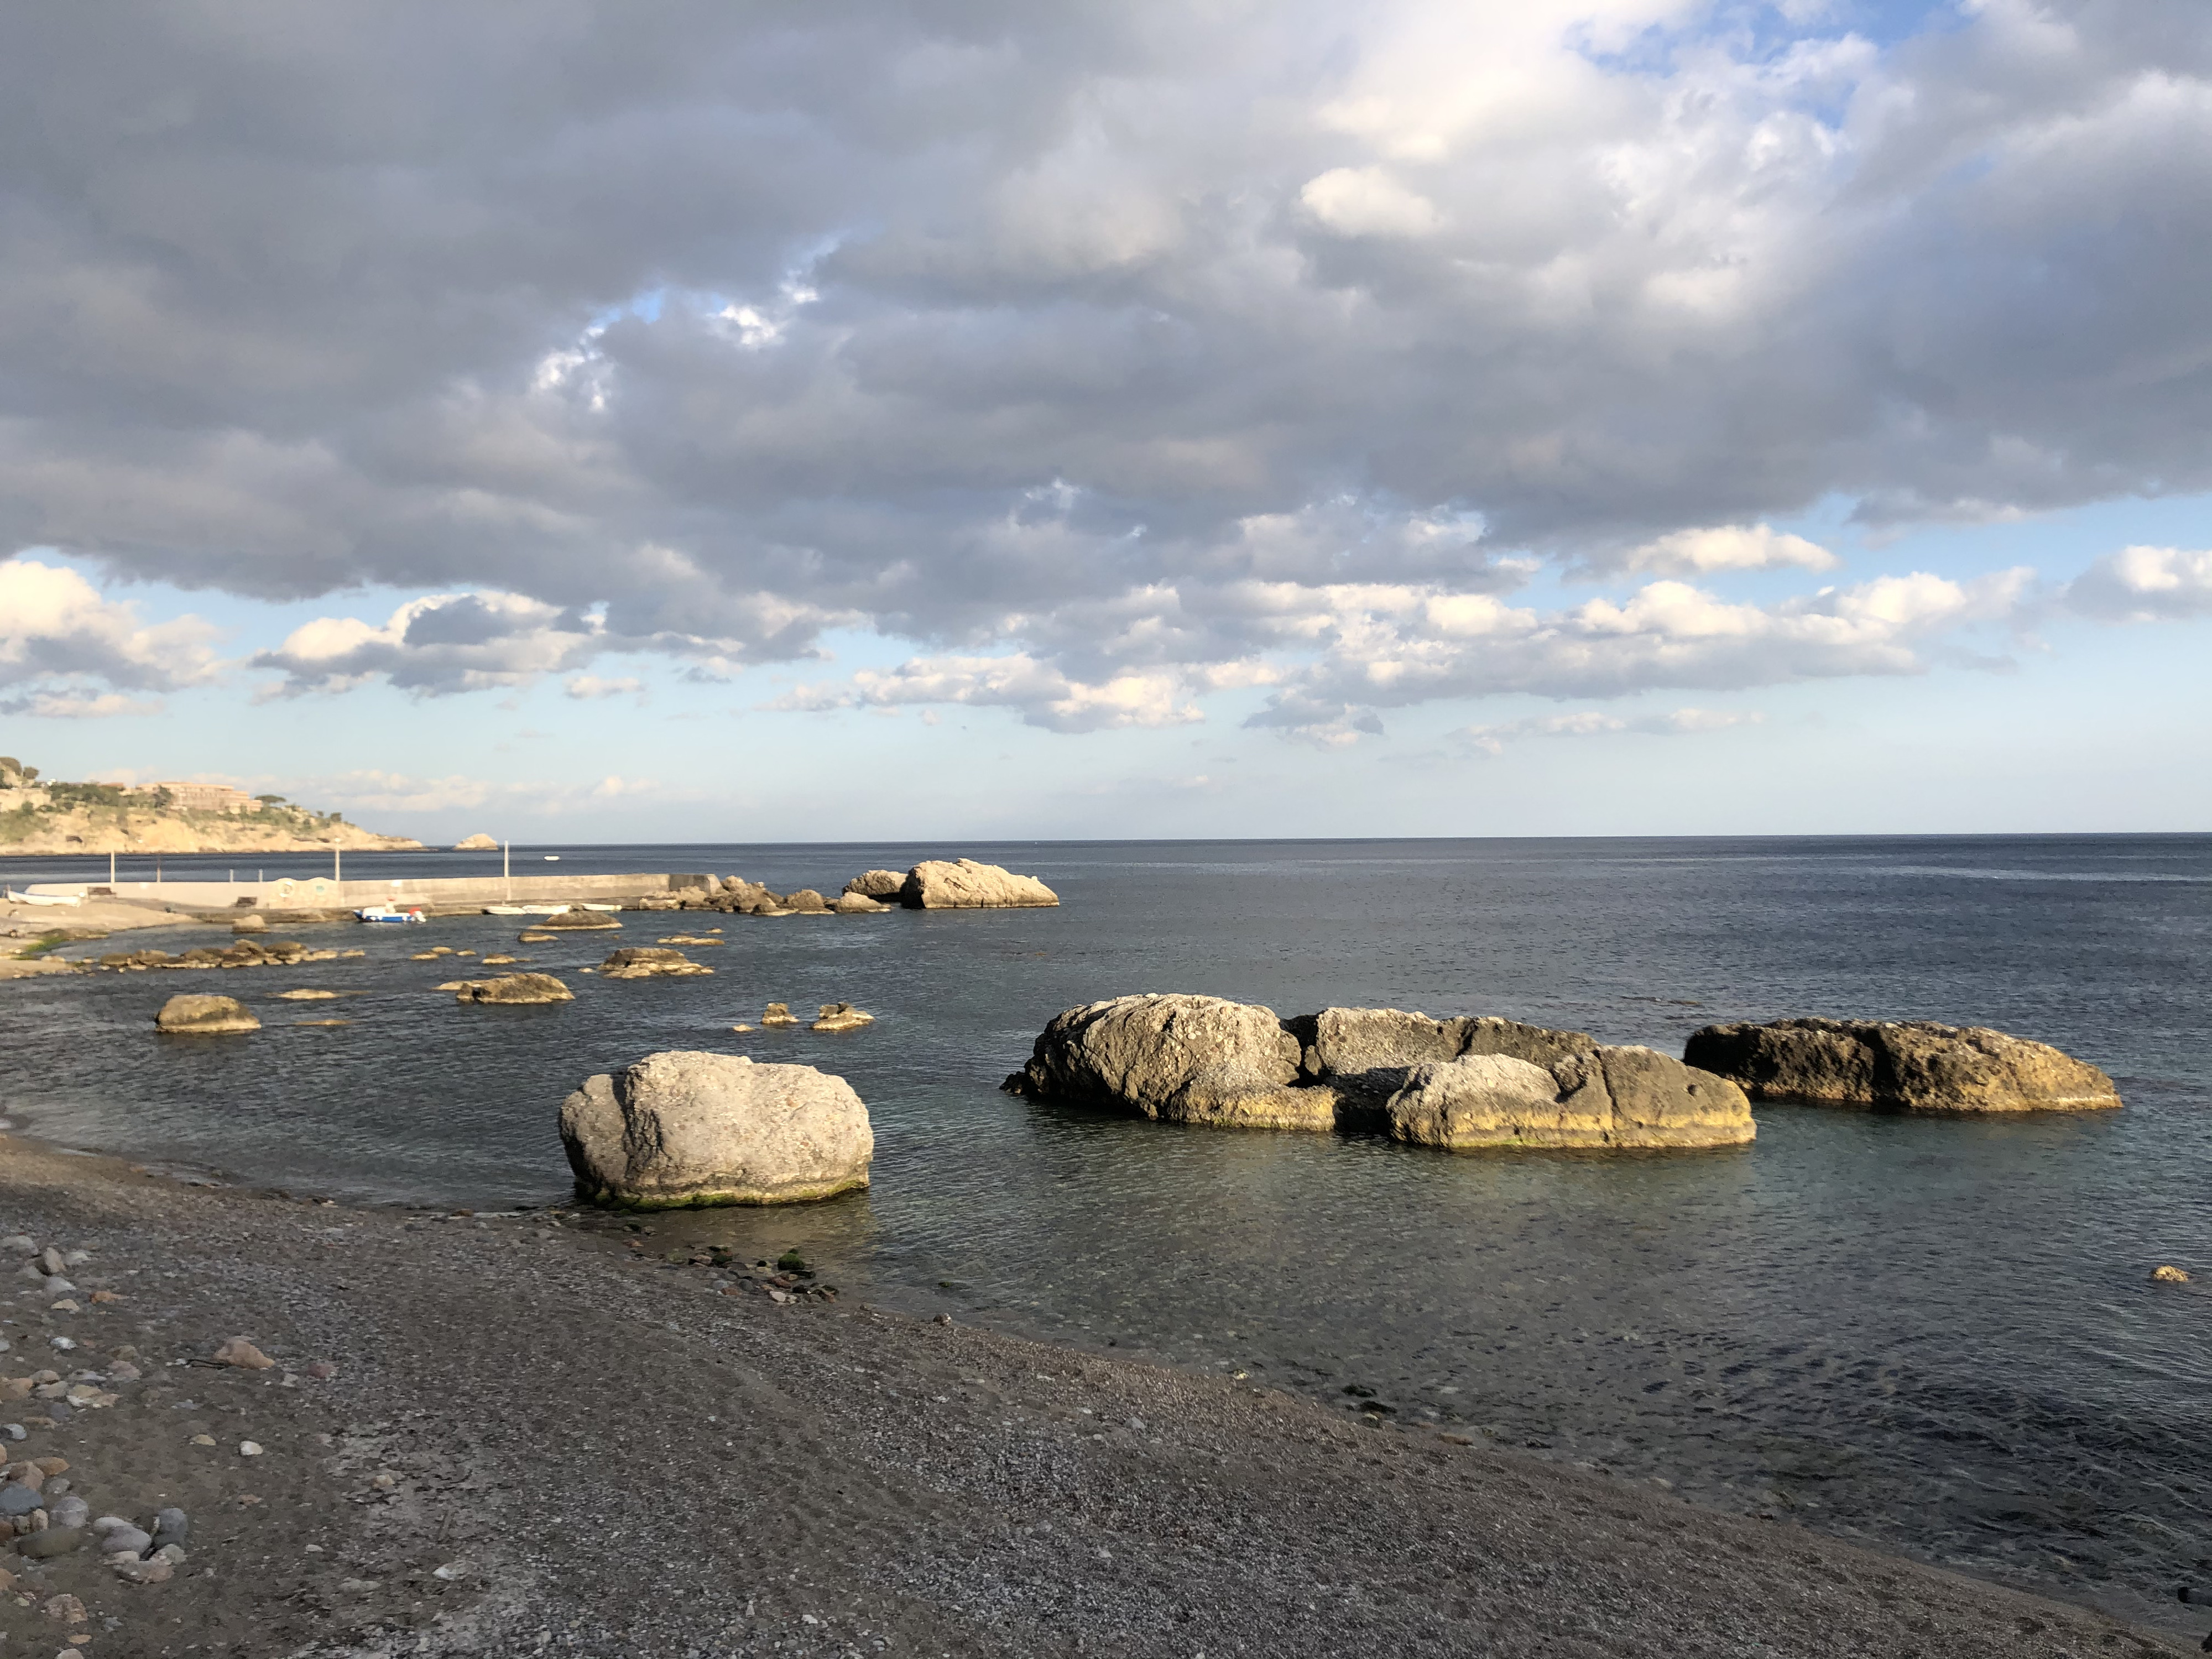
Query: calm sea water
x=1939, y=1337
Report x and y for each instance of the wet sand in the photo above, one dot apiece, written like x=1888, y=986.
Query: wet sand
x=541, y=1440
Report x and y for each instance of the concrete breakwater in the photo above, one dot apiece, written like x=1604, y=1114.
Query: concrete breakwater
x=433, y=893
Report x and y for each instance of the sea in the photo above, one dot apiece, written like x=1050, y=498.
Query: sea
x=1937, y=1336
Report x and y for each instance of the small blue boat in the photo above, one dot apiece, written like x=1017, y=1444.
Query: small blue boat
x=387, y=912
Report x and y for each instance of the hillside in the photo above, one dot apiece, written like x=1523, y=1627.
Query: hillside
x=40, y=817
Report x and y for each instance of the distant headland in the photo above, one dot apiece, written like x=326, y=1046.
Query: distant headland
x=39, y=817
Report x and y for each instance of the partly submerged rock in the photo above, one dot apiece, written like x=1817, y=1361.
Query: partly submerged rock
x=840, y=1017
x=1607, y=1096
x=857, y=905
x=1460, y=1083
x=250, y=923
x=515, y=988
x=1186, y=1059
x=579, y=921
x=806, y=902
x=937, y=884
x=779, y=1013
x=876, y=884
x=650, y=961
x=685, y=1128
x=305, y=995
x=1911, y=1066
x=205, y=1016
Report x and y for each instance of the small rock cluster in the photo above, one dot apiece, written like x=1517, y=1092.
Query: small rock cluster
x=786, y=1280
x=239, y=953
x=932, y=884
x=651, y=962
x=39, y=1511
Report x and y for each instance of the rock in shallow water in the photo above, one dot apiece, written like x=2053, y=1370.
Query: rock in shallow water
x=1460, y=1083
x=1911, y=1066
x=205, y=1016
x=517, y=989
x=694, y=1129
x=966, y=884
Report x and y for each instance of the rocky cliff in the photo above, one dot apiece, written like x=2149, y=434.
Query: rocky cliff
x=47, y=818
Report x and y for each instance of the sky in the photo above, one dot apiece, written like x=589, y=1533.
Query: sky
x=730, y=421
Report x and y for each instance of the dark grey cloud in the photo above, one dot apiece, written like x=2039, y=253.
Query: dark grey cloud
x=1102, y=336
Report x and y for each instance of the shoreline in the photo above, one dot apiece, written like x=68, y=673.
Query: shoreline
x=594, y=1447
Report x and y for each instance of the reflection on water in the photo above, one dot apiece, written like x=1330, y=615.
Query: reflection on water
x=1938, y=1336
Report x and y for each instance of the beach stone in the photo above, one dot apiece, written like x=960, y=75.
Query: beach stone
x=240, y=1352
x=965, y=885
x=19, y=1498
x=71, y=1511
x=651, y=962
x=59, y=1286
x=687, y=1127
x=66, y=1610
x=132, y=1571
x=840, y=1017
x=205, y=1016
x=171, y=1526
x=52, y=1260
x=876, y=884
x=515, y=989
x=1180, y=1058
x=21, y=1242
x=123, y=1539
x=1911, y=1066
x=53, y=1541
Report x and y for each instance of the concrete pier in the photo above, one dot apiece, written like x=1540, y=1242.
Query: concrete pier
x=321, y=893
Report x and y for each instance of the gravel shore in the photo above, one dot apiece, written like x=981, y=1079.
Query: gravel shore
x=538, y=1439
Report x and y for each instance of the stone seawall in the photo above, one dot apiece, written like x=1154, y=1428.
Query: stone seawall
x=321, y=893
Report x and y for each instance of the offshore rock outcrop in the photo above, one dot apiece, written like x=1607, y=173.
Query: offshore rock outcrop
x=687, y=1127
x=1461, y=1083
x=1904, y=1065
x=965, y=885
x=202, y=1016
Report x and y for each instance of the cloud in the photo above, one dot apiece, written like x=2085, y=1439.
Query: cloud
x=1705, y=552
x=2145, y=584
x=1044, y=695
x=1402, y=648
x=77, y=705
x=1593, y=723
x=60, y=639
x=586, y=687
x=1367, y=201
x=372, y=792
x=1111, y=345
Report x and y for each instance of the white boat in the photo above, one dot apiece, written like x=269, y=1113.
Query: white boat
x=15, y=897
x=388, y=913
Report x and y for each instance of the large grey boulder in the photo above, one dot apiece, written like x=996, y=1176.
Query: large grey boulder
x=1607, y=1097
x=939, y=884
x=203, y=1016
x=1910, y=1065
x=877, y=884
x=1370, y=1050
x=1183, y=1058
x=693, y=1128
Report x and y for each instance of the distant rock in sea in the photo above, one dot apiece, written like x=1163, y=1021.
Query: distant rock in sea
x=877, y=884
x=513, y=989
x=478, y=843
x=1460, y=1083
x=205, y=1016
x=965, y=885
x=694, y=1128
x=1907, y=1066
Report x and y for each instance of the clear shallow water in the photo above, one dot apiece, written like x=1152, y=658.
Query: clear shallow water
x=1935, y=1336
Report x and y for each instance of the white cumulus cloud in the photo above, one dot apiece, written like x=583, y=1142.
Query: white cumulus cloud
x=2145, y=584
